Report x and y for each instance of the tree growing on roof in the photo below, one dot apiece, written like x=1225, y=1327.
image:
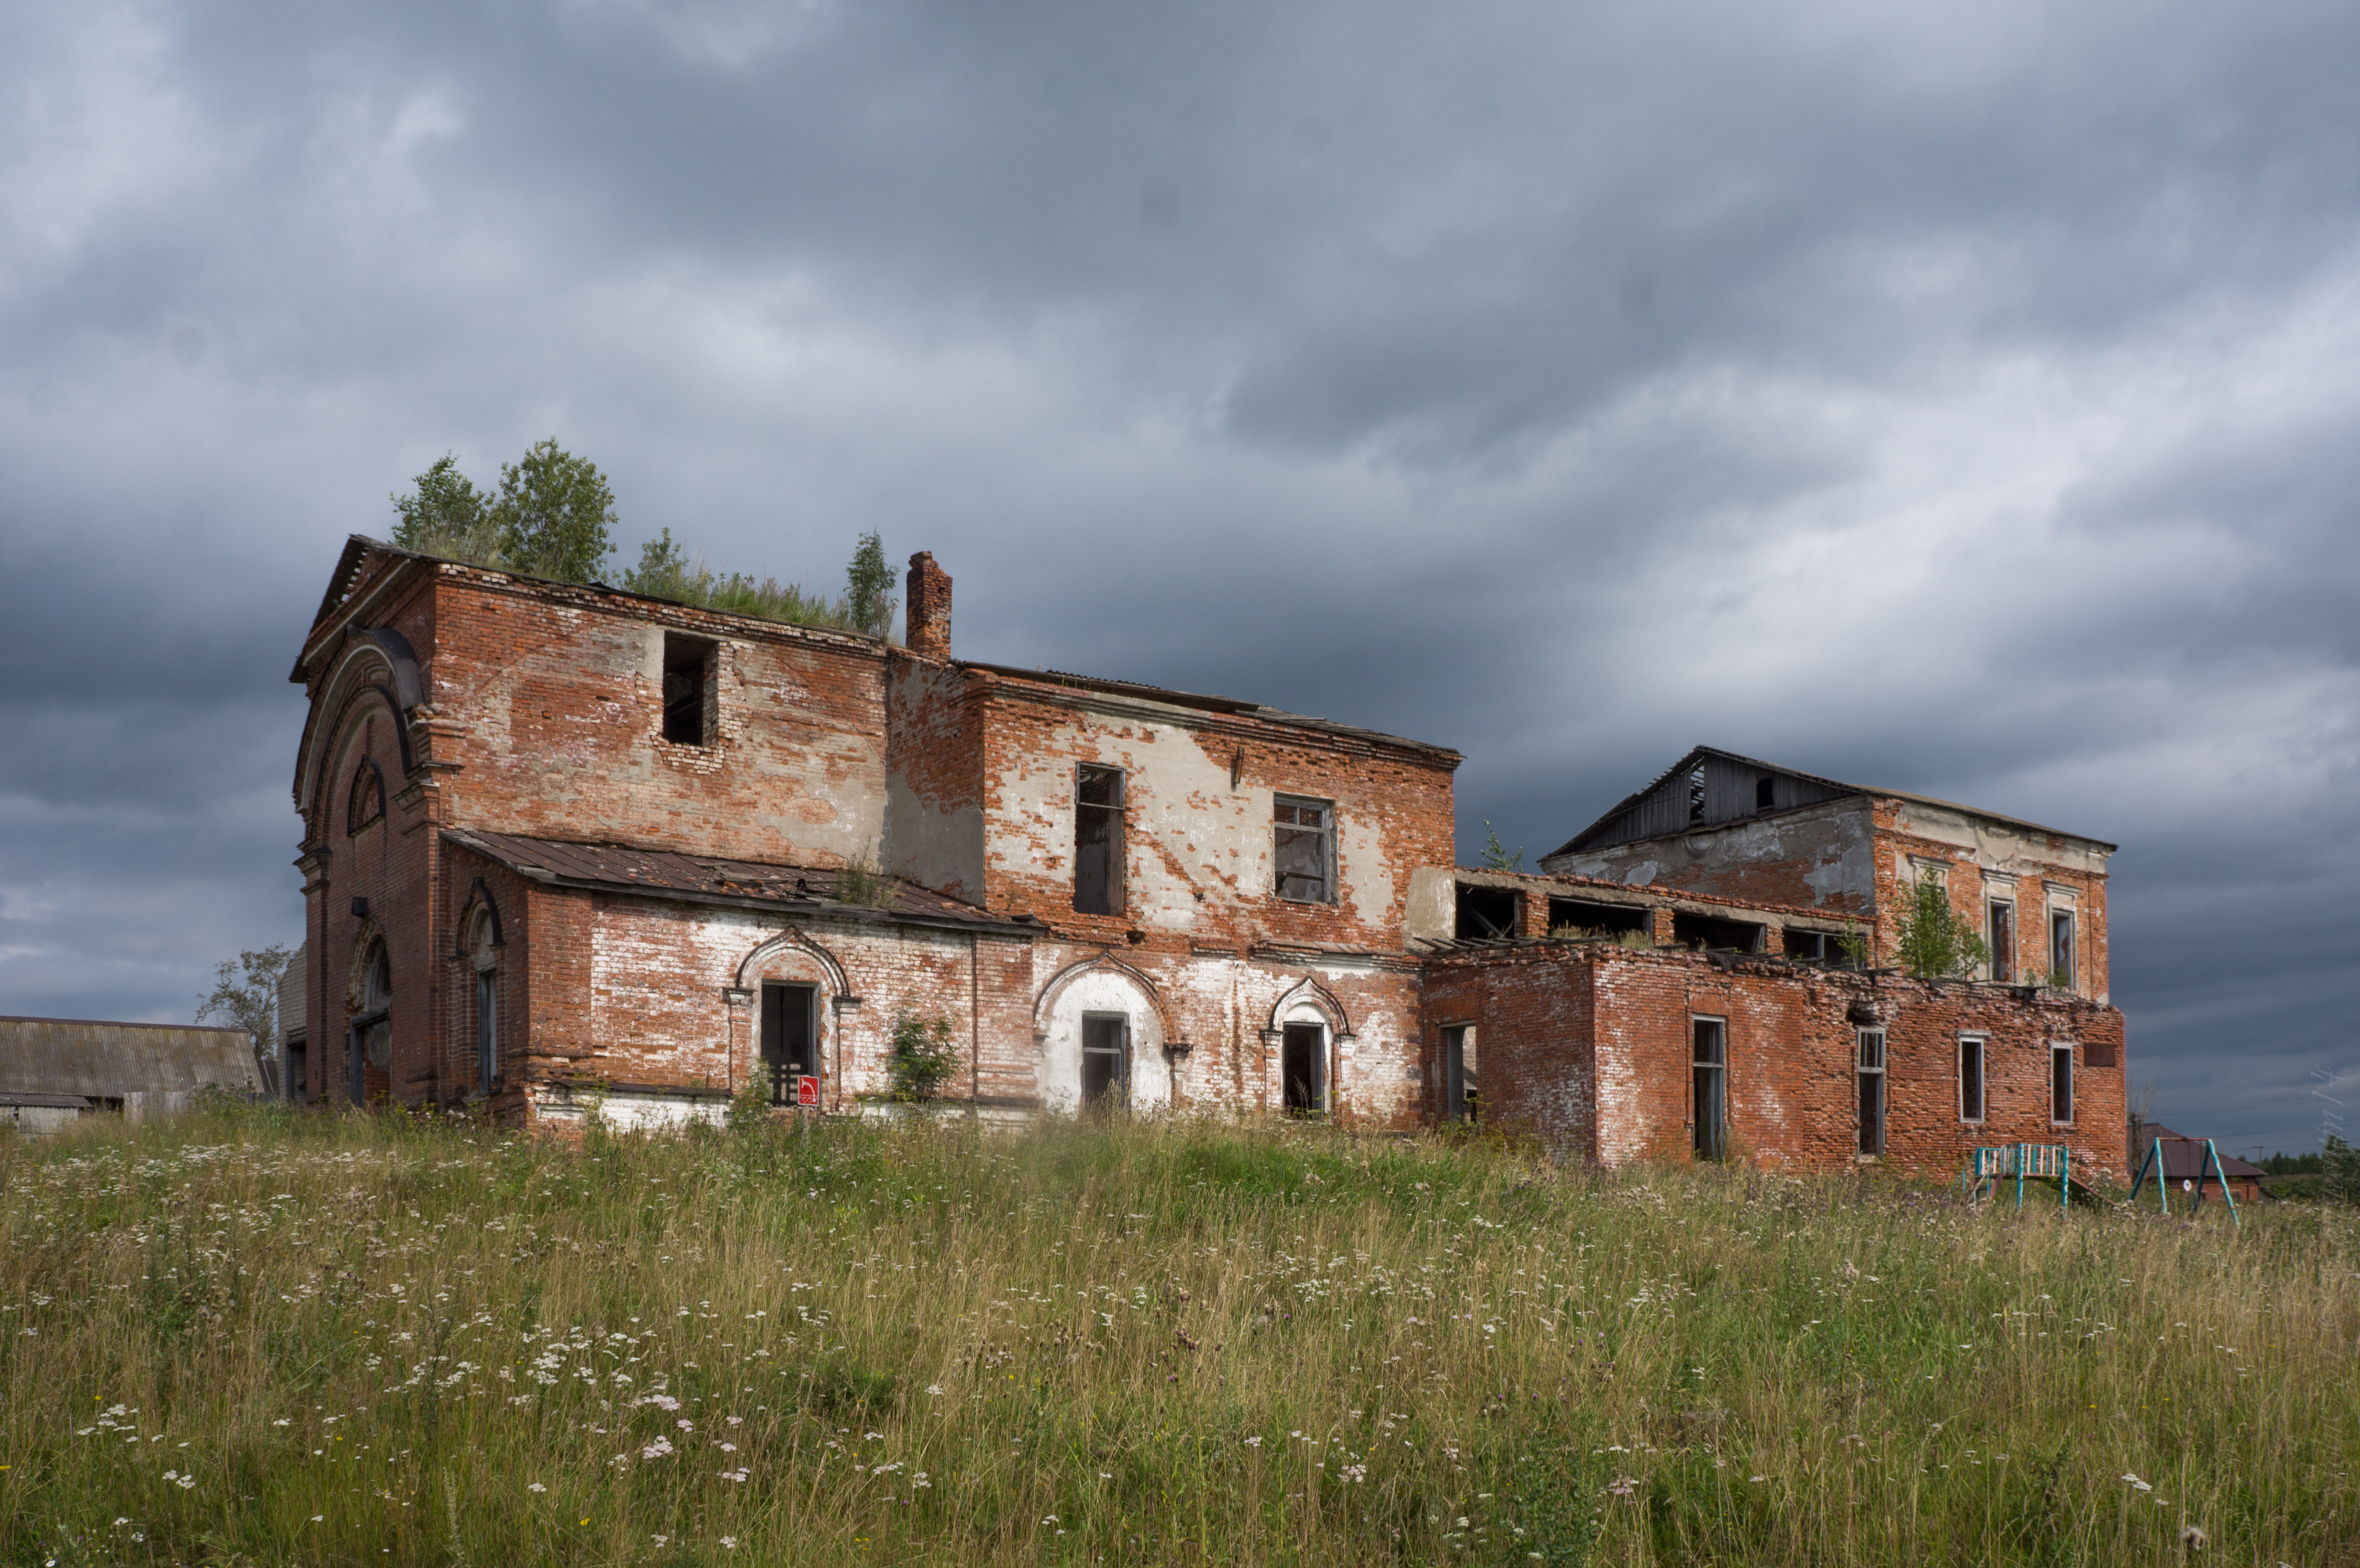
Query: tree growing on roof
x=1931, y=942
x=555, y=514
x=445, y=515
x=866, y=581
x=1495, y=854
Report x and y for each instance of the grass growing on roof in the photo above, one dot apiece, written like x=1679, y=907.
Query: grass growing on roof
x=334, y=1338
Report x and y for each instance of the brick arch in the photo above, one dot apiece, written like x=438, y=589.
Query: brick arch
x=1309, y=990
x=799, y=941
x=373, y=667
x=1106, y=961
x=479, y=898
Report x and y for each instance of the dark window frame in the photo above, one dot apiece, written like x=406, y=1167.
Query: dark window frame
x=1286, y=832
x=1975, y=1081
x=1872, y=1106
x=1100, y=831
x=1999, y=926
x=1113, y=1093
x=2060, y=1083
x=1709, y=1086
x=2062, y=954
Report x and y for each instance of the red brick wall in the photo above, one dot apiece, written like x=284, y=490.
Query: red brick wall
x=1588, y=1050
x=552, y=700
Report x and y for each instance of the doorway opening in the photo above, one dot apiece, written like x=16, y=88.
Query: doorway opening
x=1461, y=1100
x=1302, y=1069
x=790, y=1041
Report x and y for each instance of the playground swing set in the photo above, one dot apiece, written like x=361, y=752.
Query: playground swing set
x=2054, y=1161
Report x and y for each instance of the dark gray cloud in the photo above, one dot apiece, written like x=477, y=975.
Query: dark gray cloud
x=1960, y=402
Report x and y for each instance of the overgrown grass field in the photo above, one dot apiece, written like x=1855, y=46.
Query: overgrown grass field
x=250, y=1337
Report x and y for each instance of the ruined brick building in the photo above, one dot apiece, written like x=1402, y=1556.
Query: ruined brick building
x=566, y=845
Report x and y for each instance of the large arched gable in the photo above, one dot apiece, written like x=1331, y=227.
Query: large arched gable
x=374, y=669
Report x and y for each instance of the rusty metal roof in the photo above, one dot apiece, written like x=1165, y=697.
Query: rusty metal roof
x=718, y=879
x=1067, y=681
x=2184, y=1157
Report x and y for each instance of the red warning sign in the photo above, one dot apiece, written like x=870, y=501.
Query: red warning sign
x=806, y=1090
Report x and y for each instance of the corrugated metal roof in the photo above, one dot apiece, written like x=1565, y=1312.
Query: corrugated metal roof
x=659, y=873
x=96, y=1059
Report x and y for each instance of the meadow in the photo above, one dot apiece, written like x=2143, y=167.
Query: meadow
x=254, y=1336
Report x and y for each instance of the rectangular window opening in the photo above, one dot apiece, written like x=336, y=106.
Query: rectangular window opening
x=1696, y=793
x=1582, y=916
x=2002, y=940
x=2061, y=949
x=2060, y=1084
x=1097, y=840
x=1302, y=1069
x=688, y=690
x=1106, y=1061
x=1971, y=1078
x=1709, y=1067
x=298, y=1076
x=789, y=1038
x=1488, y=912
x=1872, y=1091
x=1462, y=1102
x=1704, y=933
x=1766, y=793
x=1305, y=849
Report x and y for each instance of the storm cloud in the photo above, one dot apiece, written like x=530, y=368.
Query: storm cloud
x=1963, y=401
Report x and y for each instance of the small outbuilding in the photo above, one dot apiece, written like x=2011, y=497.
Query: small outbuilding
x=2185, y=1168
x=55, y=1070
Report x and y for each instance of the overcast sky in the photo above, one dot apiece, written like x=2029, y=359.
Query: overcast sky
x=1961, y=398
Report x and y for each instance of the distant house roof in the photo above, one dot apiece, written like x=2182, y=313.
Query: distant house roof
x=97, y=1059
x=715, y=879
x=1660, y=807
x=2184, y=1157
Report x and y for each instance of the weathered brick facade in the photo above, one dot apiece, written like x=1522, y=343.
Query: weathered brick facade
x=1589, y=1051
x=565, y=845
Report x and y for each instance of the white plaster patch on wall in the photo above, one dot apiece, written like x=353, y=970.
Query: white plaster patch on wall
x=1103, y=990
x=1362, y=868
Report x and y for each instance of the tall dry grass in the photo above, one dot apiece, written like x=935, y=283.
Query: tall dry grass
x=249, y=1337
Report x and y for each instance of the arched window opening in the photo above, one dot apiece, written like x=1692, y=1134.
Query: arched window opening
x=367, y=803
x=370, y=1042
x=486, y=963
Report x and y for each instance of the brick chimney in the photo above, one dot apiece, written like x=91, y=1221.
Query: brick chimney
x=929, y=608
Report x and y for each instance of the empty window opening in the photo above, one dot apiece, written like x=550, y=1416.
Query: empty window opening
x=2003, y=939
x=1709, y=1069
x=1106, y=1061
x=1305, y=847
x=2060, y=948
x=298, y=1085
x=1872, y=1091
x=1815, y=946
x=688, y=690
x=1696, y=793
x=1584, y=918
x=488, y=1009
x=1703, y=932
x=1971, y=1078
x=1461, y=1099
x=1097, y=840
x=1302, y=1069
x=367, y=803
x=1766, y=793
x=791, y=1040
x=2060, y=1084
x=1489, y=911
